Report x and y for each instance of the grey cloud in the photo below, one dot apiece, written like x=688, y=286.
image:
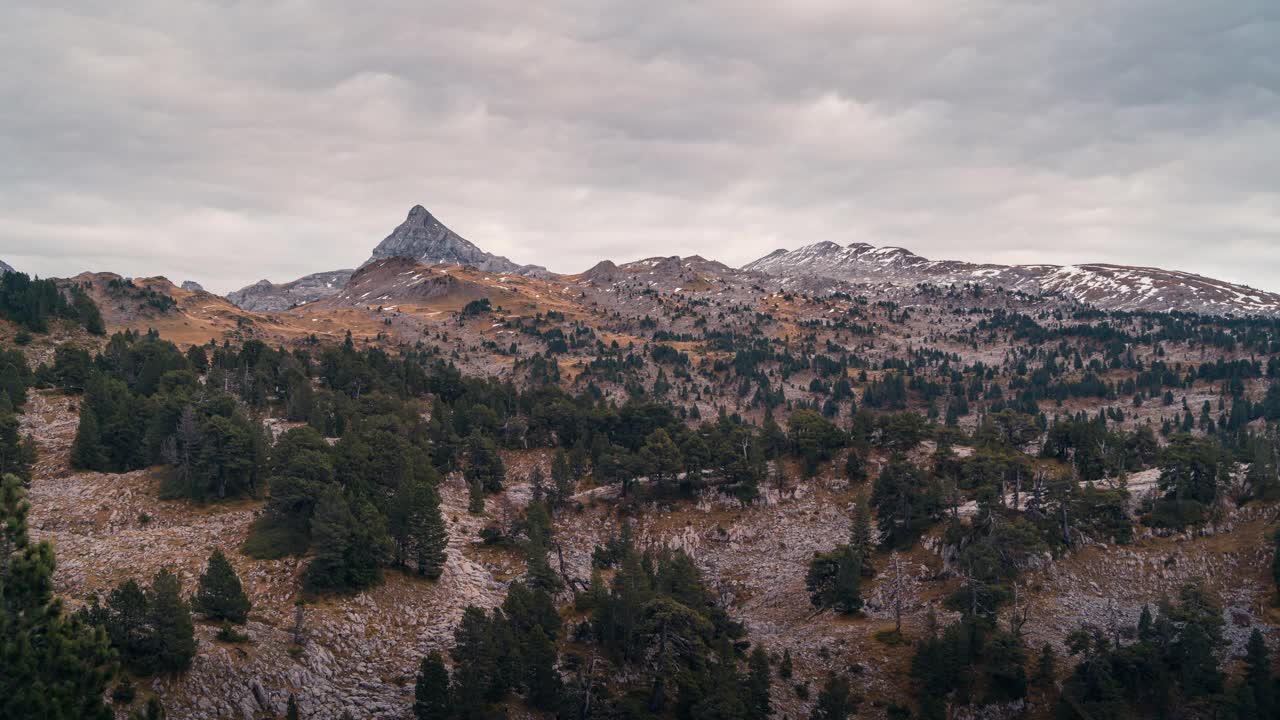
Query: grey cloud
x=228, y=141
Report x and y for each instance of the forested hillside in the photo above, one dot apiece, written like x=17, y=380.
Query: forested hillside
x=956, y=503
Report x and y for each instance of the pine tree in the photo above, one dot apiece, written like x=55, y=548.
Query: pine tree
x=1005, y=670
x=834, y=580
x=542, y=681
x=485, y=462
x=537, y=484
x=173, y=642
x=1046, y=666
x=855, y=467
x=759, y=706
x=475, y=497
x=561, y=479
x=476, y=676
x=861, y=538
x=660, y=457
x=350, y=544
x=125, y=620
x=772, y=438
x=331, y=537
x=725, y=698
x=51, y=665
x=1275, y=565
x=848, y=583
x=785, y=667
x=219, y=595
x=1257, y=691
x=427, y=528
x=13, y=385
x=16, y=453
x=1145, y=626
x=834, y=700
x=431, y=693
x=86, y=450
x=153, y=710
x=291, y=711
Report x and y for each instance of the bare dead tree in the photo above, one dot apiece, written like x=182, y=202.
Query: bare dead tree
x=1020, y=613
x=299, y=628
x=897, y=594
x=575, y=584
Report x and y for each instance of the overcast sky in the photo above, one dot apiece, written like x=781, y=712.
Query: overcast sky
x=230, y=141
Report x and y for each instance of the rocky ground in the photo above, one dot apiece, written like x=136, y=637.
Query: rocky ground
x=360, y=653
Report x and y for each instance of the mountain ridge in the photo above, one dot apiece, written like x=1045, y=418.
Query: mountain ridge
x=1106, y=286
x=425, y=240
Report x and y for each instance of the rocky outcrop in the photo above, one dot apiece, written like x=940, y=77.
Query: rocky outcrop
x=5, y=267
x=424, y=239
x=266, y=296
x=192, y=286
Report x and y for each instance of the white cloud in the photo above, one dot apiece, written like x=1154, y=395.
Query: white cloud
x=229, y=141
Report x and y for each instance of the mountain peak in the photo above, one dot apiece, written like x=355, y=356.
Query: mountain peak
x=419, y=214
x=423, y=238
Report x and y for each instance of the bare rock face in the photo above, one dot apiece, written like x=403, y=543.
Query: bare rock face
x=5, y=267
x=192, y=286
x=423, y=238
x=266, y=296
x=1108, y=287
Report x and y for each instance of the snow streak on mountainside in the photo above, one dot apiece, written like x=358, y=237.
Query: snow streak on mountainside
x=1108, y=287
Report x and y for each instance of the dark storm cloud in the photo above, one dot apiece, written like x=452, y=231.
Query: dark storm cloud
x=227, y=141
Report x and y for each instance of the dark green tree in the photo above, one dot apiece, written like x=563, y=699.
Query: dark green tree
x=759, y=706
x=906, y=502
x=51, y=665
x=86, y=450
x=835, y=701
x=477, y=680
x=1256, y=695
x=427, y=531
x=834, y=580
x=660, y=458
x=350, y=544
x=219, y=595
x=17, y=453
x=431, y=692
x=153, y=710
x=172, y=642
x=562, y=480
x=1275, y=564
x=485, y=462
x=813, y=438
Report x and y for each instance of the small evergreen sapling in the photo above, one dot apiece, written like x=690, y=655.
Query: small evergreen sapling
x=219, y=596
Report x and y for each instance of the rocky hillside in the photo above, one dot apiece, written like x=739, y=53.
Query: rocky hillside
x=266, y=296
x=1108, y=287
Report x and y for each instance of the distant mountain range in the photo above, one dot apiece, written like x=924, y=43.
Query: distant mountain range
x=423, y=239
x=1104, y=286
